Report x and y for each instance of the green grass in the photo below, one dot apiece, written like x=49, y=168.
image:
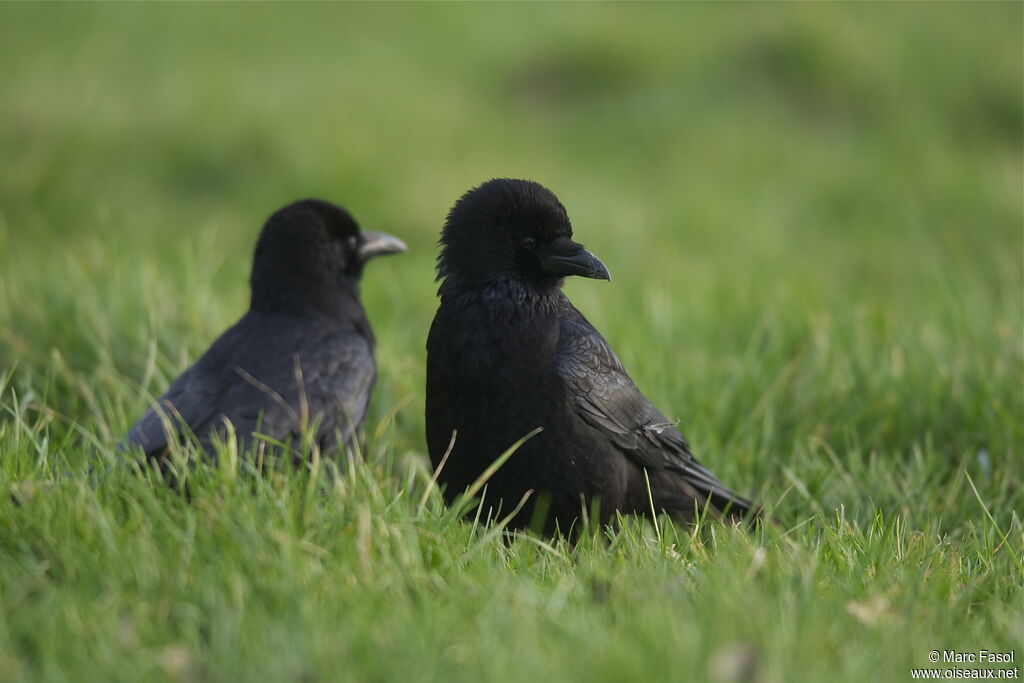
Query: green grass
x=813, y=217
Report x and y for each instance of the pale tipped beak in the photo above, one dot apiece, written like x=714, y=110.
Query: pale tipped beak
x=379, y=244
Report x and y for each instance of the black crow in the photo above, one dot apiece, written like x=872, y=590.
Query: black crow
x=301, y=357
x=507, y=353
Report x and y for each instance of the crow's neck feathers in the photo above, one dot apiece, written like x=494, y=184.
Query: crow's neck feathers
x=315, y=292
x=503, y=295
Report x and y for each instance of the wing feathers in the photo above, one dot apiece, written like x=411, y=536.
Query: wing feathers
x=268, y=374
x=607, y=399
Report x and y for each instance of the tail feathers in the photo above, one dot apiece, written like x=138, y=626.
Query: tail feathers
x=725, y=501
x=734, y=505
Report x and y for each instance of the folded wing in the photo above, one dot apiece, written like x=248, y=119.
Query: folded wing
x=607, y=399
x=269, y=377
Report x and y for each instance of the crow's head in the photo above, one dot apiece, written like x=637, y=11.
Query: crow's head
x=512, y=229
x=308, y=248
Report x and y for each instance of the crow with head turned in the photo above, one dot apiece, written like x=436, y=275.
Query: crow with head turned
x=508, y=353
x=300, y=358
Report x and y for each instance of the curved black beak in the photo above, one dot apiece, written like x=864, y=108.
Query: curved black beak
x=565, y=257
x=378, y=244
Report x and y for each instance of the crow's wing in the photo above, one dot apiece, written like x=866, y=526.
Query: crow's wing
x=606, y=398
x=271, y=375
x=324, y=379
x=192, y=400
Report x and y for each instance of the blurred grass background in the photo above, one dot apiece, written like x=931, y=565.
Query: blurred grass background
x=812, y=213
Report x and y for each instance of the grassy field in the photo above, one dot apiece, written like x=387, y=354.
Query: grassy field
x=813, y=217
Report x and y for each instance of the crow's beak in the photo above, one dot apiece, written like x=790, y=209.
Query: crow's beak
x=565, y=257
x=378, y=244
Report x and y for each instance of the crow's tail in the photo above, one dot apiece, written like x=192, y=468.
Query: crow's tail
x=725, y=501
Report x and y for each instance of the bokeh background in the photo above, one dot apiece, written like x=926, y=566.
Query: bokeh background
x=805, y=208
x=812, y=213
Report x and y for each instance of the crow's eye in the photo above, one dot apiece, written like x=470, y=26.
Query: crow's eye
x=528, y=242
x=352, y=242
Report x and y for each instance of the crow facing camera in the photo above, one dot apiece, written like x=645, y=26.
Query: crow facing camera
x=508, y=353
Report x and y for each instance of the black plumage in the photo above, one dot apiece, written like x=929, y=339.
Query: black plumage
x=507, y=353
x=301, y=357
